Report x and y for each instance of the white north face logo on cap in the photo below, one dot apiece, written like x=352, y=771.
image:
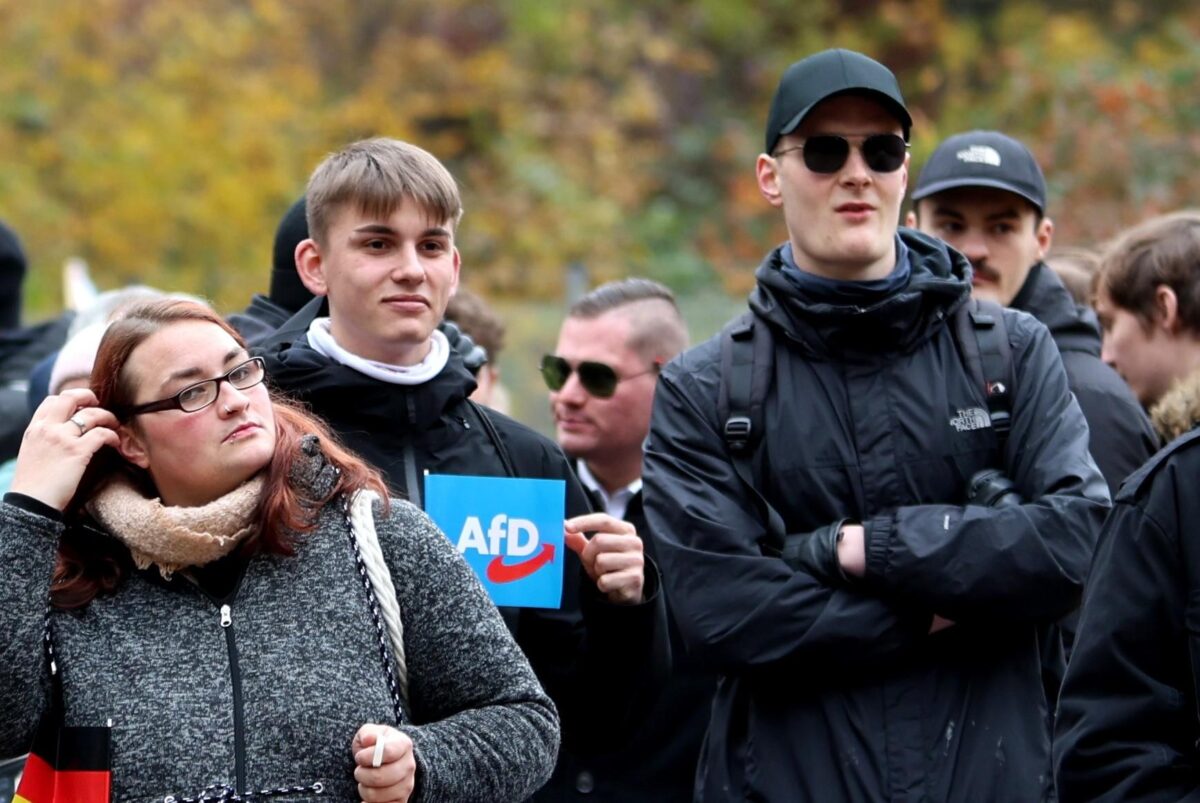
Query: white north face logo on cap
x=980, y=154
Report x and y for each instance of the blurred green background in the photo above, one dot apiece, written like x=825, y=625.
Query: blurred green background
x=161, y=140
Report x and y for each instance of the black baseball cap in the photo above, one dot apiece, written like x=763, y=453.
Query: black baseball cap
x=983, y=159
x=823, y=75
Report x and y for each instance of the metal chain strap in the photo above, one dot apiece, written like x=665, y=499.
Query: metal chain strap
x=224, y=793
x=385, y=651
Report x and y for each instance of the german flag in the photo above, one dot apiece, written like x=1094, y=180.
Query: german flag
x=67, y=765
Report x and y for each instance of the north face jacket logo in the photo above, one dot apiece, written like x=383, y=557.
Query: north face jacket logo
x=971, y=419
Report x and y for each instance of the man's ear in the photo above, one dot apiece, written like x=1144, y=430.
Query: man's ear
x=311, y=267
x=457, y=268
x=766, y=169
x=131, y=447
x=1045, y=236
x=1166, y=305
x=910, y=219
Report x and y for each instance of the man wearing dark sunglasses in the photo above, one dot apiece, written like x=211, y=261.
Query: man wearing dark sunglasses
x=875, y=628
x=601, y=379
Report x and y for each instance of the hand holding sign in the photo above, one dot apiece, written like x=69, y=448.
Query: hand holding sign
x=612, y=557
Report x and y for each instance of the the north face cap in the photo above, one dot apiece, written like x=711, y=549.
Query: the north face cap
x=983, y=159
x=823, y=75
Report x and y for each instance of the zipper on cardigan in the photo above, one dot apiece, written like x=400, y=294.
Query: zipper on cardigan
x=239, y=723
x=225, y=611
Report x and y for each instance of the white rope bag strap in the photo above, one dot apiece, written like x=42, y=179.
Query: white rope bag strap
x=362, y=523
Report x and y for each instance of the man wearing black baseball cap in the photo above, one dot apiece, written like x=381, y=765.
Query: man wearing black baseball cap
x=806, y=480
x=984, y=194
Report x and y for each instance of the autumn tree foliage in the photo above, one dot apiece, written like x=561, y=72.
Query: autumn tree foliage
x=161, y=140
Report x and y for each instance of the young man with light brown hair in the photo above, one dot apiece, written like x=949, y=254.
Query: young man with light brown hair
x=367, y=356
x=1128, y=720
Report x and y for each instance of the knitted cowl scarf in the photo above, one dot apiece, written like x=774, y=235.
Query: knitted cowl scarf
x=173, y=538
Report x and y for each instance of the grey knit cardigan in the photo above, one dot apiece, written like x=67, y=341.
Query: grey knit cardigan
x=155, y=660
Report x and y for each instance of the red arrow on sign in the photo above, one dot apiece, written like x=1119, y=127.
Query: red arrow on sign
x=500, y=572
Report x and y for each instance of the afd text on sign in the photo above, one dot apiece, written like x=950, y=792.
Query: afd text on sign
x=509, y=530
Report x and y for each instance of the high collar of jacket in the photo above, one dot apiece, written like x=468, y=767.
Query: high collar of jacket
x=1178, y=411
x=940, y=282
x=1045, y=297
x=304, y=373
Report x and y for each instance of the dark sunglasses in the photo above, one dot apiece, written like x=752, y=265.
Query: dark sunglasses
x=827, y=153
x=196, y=397
x=598, y=379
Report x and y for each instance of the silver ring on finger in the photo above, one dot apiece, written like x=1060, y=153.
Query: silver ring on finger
x=82, y=426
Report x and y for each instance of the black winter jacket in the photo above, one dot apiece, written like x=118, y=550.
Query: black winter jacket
x=590, y=655
x=1121, y=437
x=260, y=319
x=1127, y=725
x=655, y=761
x=840, y=693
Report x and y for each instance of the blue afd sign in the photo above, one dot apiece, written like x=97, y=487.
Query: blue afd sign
x=509, y=530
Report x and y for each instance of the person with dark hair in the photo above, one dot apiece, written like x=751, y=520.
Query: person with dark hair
x=1128, y=723
x=1148, y=299
x=984, y=194
x=21, y=348
x=862, y=523
x=476, y=318
x=206, y=603
x=368, y=356
x=601, y=379
x=287, y=294
x=1076, y=267
x=12, y=276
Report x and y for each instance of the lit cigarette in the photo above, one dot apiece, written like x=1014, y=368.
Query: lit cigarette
x=377, y=757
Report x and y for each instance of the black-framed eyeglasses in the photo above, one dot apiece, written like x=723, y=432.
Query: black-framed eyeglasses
x=598, y=379
x=196, y=397
x=827, y=153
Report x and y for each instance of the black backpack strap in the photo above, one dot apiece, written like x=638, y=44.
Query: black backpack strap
x=494, y=436
x=983, y=340
x=746, y=369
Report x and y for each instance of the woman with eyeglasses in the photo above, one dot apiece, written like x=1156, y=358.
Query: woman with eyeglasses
x=206, y=603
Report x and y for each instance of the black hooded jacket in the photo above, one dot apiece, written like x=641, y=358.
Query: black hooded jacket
x=1121, y=437
x=588, y=654
x=1128, y=729
x=657, y=762
x=837, y=692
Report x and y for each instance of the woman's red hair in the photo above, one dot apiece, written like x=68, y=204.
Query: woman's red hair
x=89, y=565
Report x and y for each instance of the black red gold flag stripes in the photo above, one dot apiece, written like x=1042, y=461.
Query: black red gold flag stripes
x=67, y=765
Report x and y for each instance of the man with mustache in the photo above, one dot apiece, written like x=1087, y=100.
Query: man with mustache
x=874, y=621
x=983, y=193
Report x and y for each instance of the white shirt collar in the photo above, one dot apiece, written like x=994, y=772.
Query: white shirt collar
x=616, y=504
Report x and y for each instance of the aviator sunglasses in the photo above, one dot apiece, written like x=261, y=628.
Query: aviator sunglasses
x=598, y=379
x=827, y=153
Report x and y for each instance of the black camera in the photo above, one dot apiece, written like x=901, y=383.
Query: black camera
x=991, y=488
